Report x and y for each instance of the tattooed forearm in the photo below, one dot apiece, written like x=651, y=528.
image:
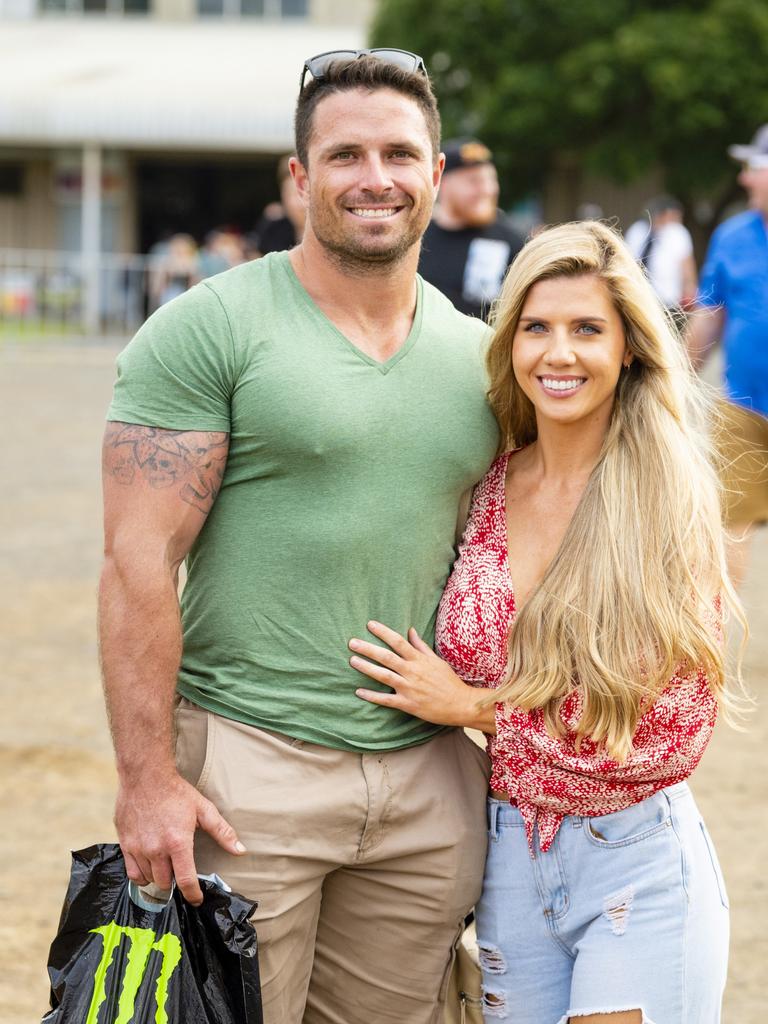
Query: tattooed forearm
x=191, y=460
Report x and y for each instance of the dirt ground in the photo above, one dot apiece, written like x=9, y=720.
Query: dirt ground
x=56, y=774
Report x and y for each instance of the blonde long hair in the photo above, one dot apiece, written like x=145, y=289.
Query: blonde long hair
x=629, y=597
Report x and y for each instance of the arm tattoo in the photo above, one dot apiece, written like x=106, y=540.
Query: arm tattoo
x=193, y=459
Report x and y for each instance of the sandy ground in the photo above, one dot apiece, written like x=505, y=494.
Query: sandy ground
x=56, y=775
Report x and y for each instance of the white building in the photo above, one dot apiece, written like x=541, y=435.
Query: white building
x=174, y=109
x=124, y=120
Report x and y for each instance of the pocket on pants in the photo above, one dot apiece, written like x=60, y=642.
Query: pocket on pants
x=195, y=743
x=715, y=865
x=632, y=825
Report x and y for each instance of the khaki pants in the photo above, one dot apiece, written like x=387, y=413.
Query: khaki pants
x=364, y=865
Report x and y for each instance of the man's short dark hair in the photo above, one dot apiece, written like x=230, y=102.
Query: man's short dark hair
x=365, y=73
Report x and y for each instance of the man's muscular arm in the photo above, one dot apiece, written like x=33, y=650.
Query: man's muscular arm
x=159, y=486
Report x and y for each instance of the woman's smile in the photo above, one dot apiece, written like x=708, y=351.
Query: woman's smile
x=561, y=387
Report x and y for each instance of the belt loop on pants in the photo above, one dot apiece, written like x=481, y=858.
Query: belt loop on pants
x=493, y=818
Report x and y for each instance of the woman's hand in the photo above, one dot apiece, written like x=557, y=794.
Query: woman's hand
x=425, y=686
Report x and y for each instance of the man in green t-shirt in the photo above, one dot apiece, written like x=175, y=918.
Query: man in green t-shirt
x=300, y=430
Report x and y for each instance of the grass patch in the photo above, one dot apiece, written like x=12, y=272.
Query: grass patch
x=21, y=331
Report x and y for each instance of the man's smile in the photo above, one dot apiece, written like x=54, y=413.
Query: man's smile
x=374, y=212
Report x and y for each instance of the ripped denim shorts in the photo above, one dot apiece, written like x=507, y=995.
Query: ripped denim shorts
x=624, y=911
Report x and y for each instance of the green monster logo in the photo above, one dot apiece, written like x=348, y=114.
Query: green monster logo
x=143, y=941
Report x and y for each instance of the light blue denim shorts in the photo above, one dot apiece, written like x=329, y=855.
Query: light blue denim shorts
x=624, y=911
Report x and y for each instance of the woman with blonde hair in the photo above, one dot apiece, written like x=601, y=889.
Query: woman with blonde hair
x=581, y=629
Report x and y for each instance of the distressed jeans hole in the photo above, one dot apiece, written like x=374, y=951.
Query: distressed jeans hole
x=494, y=1003
x=617, y=907
x=638, y=1014
x=491, y=959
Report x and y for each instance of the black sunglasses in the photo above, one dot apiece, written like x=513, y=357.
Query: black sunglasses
x=318, y=66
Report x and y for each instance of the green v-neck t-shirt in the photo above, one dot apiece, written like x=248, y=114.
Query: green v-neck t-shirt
x=340, y=495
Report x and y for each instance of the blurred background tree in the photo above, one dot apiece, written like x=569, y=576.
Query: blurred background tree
x=615, y=89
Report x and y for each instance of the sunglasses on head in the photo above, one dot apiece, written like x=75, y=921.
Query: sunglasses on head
x=318, y=66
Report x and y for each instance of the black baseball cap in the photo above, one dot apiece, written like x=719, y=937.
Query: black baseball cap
x=465, y=153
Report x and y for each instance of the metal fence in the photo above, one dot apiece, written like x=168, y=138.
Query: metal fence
x=49, y=294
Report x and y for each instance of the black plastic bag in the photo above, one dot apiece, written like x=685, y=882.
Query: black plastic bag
x=115, y=962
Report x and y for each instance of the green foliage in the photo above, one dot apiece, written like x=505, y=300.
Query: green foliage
x=617, y=87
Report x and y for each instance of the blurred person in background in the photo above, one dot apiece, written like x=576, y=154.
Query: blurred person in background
x=282, y=224
x=732, y=307
x=664, y=247
x=174, y=269
x=223, y=249
x=301, y=428
x=470, y=243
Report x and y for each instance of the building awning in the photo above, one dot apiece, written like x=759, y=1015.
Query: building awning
x=130, y=84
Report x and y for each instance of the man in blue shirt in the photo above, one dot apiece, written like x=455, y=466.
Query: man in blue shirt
x=732, y=305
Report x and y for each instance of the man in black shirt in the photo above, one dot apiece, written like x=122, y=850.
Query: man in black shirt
x=282, y=224
x=470, y=243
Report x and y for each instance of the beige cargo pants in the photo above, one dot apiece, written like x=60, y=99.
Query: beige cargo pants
x=364, y=865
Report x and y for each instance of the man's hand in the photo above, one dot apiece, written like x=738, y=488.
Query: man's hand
x=425, y=686
x=156, y=819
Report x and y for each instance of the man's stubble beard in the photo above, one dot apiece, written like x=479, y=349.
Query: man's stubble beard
x=360, y=259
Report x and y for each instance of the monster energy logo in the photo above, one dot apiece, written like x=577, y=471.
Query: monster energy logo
x=143, y=941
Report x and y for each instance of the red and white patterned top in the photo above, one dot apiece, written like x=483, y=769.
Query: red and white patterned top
x=546, y=776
